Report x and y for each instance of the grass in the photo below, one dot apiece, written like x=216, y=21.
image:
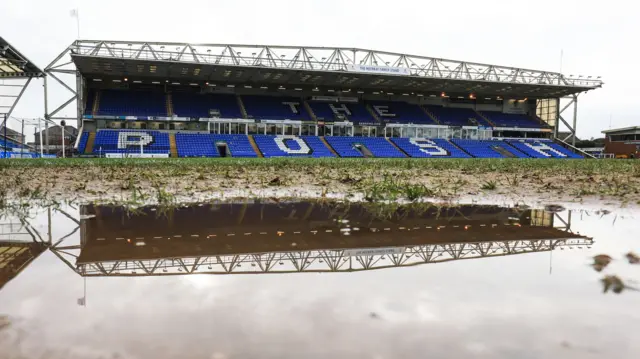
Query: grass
x=489, y=186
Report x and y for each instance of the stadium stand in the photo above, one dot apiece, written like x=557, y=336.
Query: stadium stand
x=330, y=111
x=91, y=95
x=218, y=145
x=511, y=120
x=238, y=145
x=128, y=141
x=275, y=108
x=84, y=137
x=488, y=148
x=542, y=149
x=429, y=148
x=291, y=146
x=400, y=112
x=131, y=103
x=453, y=116
x=9, y=144
x=205, y=105
x=363, y=147
x=196, y=145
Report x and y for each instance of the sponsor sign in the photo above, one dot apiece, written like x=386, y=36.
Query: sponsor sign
x=385, y=70
x=137, y=155
x=334, y=99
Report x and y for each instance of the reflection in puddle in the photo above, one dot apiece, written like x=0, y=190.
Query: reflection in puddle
x=270, y=237
x=528, y=274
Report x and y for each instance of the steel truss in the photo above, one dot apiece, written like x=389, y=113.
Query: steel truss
x=59, y=70
x=313, y=261
x=322, y=59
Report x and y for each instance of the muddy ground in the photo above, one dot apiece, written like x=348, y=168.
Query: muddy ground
x=173, y=181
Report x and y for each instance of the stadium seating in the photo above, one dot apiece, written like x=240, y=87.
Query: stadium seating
x=377, y=146
x=84, y=137
x=291, y=146
x=275, y=108
x=511, y=120
x=400, y=112
x=429, y=148
x=453, y=116
x=196, y=145
x=354, y=112
x=88, y=109
x=128, y=141
x=131, y=103
x=542, y=149
x=200, y=105
x=9, y=144
x=238, y=145
x=488, y=148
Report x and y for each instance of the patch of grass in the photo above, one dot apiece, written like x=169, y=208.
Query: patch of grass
x=489, y=186
x=414, y=192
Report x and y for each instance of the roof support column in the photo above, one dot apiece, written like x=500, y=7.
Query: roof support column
x=571, y=128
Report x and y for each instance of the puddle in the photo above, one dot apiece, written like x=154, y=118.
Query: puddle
x=315, y=279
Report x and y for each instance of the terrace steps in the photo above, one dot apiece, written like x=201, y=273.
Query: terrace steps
x=396, y=147
x=485, y=118
x=96, y=103
x=255, y=146
x=310, y=111
x=90, y=140
x=328, y=146
x=373, y=114
x=243, y=110
x=432, y=116
x=504, y=152
x=173, y=148
x=169, y=103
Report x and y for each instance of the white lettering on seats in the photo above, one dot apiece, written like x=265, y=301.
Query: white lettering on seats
x=303, y=150
x=139, y=138
x=293, y=106
x=543, y=149
x=342, y=107
x=383, y=111
x=429, y=147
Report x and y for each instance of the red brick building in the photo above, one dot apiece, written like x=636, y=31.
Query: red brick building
x=623, y=142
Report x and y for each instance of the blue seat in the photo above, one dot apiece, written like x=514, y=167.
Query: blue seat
x=378, y=146
x=186, y=104
x=83, y=142
x=275, y=108
x=429, y=148
x=292, y=146
x=354, y=112
x=454, y=116
x=511, y=120
x=542, y=149
x=131, y=103
x=400, y=112
x=127, y=141
x=487, y=148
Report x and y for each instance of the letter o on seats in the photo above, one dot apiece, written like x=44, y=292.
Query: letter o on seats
x=303, y=150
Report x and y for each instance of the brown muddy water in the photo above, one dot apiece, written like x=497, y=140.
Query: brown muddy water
x=272, y=279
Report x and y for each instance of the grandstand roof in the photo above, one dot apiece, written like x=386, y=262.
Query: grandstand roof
x=623, y=131
x=15, y=65
x=305, y=68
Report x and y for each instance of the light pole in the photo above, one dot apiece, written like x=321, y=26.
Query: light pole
x=62, y=124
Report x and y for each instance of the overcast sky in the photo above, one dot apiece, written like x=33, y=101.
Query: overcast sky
x=597, y=40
